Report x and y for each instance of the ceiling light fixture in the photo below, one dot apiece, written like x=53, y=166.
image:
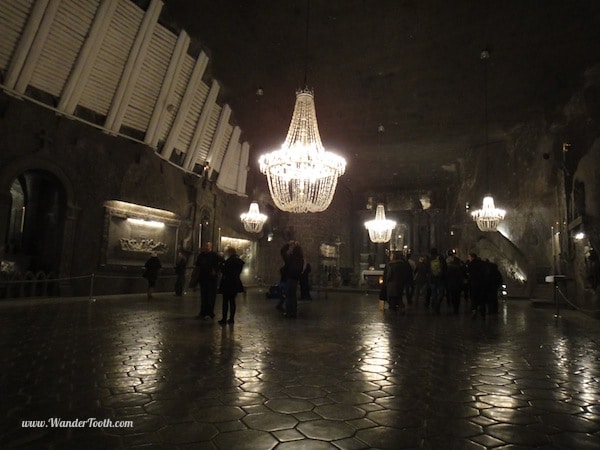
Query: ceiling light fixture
x=380, y=229
x=488, y=217
x=302, y=175
x=253, y=220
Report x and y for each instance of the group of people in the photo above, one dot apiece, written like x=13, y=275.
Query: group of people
x=294, y=272
x=215, y=274
x=212, y=273
x=436, y=277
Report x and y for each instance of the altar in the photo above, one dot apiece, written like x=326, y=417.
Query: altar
x=372, y=278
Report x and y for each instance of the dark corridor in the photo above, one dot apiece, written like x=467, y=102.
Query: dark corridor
x=36, y=222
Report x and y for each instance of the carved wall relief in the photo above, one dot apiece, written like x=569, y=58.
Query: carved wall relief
x=134, y=231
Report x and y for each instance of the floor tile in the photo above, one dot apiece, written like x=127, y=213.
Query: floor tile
x=337, y=377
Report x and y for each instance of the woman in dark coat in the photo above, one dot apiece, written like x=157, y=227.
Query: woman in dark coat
x=476, y=274
x=493, y=282
x=455, y=276
x=420, y=278
x=398, y=276
x=151, y=269
x=231, y=284
x=294, y=263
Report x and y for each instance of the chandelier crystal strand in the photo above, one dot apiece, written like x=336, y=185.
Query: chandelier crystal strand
x=302, y=176
x=253, y=220
x=380, y=229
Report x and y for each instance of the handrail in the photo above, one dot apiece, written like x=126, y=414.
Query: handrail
x=573, y=305
x=7, y=286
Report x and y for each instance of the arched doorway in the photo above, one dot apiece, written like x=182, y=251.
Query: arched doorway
x=36, y=222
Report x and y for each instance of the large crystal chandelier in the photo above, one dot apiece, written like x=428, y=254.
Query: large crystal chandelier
x=253, y=220
x=380, y=229
x=488, y=217
x=302, y=176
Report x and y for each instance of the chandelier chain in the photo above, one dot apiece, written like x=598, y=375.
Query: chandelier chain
x=306, y=44
x=485, y=56
x=488, y=217
x=301, y=175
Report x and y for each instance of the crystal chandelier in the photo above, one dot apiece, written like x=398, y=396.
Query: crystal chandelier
x=302, y=176
x=380, y=229
x=488, y=217
x=253, y=220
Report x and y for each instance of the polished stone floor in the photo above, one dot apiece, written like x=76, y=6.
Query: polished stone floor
x=342, y=375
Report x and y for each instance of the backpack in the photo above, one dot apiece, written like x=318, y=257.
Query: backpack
x=436, y=267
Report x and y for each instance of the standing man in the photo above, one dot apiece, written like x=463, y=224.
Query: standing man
x=208, y=265
x=437, y=278
x=294, y=263
x=420, y=277
x=397, y=278
x=476, y=273
x=493, y=281
x=454, y=279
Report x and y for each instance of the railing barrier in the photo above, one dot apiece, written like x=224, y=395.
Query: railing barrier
x=41, y=284
x=558, y=293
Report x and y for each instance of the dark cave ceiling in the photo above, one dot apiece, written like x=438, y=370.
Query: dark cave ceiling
x=411, y=68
